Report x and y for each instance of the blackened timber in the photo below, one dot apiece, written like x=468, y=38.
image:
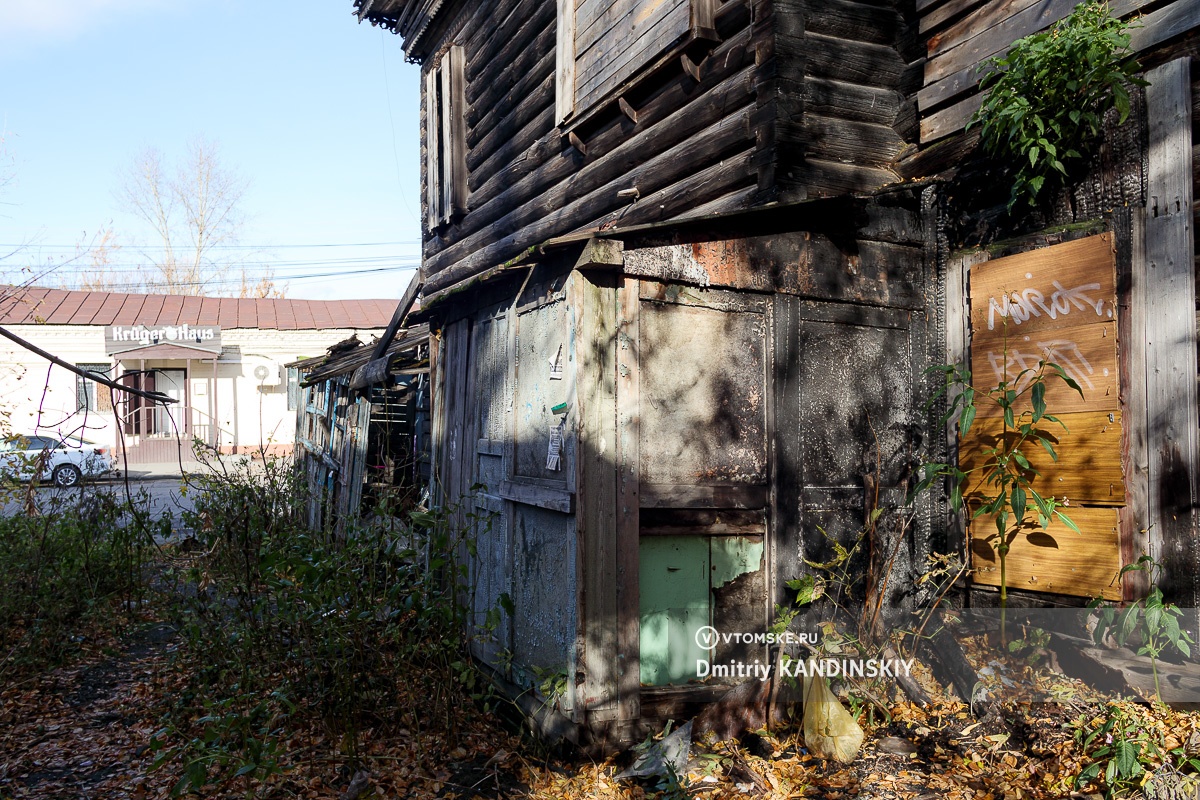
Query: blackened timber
x=491, y=95
x=485, y=141
x=545, y=166
x=560, y=180
x=553, y=212
x=832, y=177
x=734, y=201
x=857, y=62
x=852, y=101
x=851, y=141
x=854, y=21
x=489, y=39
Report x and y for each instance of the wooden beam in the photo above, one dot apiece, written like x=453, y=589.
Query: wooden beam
x=545, y=497
x=605, y=254
x=628, y=110
x=564, y=67
x=1170, y=302
x=628, y=441
x=594, y=298
x=432, y=141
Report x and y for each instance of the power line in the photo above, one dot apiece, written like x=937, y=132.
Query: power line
x=75, y=246
x=286, y=278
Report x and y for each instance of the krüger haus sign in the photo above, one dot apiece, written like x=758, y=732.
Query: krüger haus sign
x=123, y=338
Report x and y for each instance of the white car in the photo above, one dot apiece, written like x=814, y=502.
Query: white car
x=66, y=463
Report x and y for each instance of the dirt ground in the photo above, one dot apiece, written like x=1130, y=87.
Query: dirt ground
x=84, y=732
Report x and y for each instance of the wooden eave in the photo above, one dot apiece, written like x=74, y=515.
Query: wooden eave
x=408, y=18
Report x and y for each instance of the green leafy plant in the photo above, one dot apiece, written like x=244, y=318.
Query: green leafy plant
x=1155, y=622
x=1003, y=482
x=1119, y=750
x=1045, y=99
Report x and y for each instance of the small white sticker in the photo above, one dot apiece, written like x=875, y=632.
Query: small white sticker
x=553, y=460
x=556, y=366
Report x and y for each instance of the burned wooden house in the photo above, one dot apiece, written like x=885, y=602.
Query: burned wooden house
x=363, y=446
x=686, y=263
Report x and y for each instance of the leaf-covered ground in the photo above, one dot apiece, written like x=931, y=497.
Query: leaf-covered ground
x=85, y=731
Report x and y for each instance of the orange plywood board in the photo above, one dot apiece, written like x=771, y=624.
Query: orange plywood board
x=1056, y=560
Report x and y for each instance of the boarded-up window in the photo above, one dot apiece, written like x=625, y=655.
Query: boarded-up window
x=445, y=139
x=603, y=44
x=1057, y=303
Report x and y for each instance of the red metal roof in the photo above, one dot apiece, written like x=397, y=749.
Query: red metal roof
x=58, y=307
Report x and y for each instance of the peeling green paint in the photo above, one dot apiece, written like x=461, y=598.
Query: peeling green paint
x=677, y=576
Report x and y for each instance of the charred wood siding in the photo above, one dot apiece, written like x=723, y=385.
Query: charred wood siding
x=844, y=69
x=779, y=100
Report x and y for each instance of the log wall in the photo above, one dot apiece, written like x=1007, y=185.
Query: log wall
x=793, y=99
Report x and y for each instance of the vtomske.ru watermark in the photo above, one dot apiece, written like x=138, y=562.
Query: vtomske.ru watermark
x=708, y=637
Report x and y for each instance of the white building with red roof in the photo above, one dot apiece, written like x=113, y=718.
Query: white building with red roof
x=220, y=358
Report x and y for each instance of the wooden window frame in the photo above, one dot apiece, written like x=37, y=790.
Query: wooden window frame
x=567, y=109
x=446, y=139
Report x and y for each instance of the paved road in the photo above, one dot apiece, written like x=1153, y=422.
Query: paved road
x=160, y=493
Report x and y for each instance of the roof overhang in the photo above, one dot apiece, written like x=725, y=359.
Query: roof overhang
x=166, y=351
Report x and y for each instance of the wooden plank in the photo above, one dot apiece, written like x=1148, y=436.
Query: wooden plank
x=1069, y=283
x=1170, y=299
x=547, y=497
x=564, y=66
x=432, y=142
x=949, y=120
x=704, y=18
x=855, y=21
x=1131, y=327
x=1057, y=560
x=1088, y=469
x=456, y=151
x=628, y=434
x=1087, y=353
x=936, y=16
x=851, y=101
x=988, y=16
x=965, y=75
x=606, y=12
x=446, y=145
x=703, y=496
x=861, y=143
x=854, y=62
x=786, y=534
x=593, y=296
x=535, y=222
x=610, y=61
x=1000, y=36
x=1165, y=23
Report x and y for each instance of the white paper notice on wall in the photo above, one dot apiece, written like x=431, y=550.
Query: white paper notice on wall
x=556, y=366
x=554, y=453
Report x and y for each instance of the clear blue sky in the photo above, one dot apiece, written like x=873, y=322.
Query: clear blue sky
x=318, y=112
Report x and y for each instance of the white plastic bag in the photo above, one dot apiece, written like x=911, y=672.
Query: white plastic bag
x=829, y=730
